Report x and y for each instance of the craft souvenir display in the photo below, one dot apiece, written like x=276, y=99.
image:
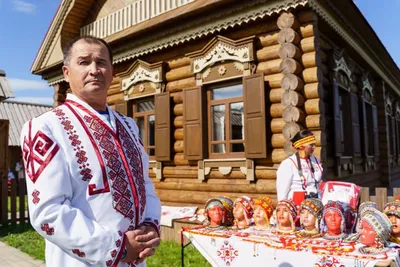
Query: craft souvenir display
x=334, y=223
x=218, y=212
x=310, y=216
x=375, y=232
x=365, y=207
x=285, y=217
x=392, y=210
x=263, y=209
x=242, y=212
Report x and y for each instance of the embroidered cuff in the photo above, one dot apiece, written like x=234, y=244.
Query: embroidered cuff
x=153, y=223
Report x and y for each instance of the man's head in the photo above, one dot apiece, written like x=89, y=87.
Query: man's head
x=88, y=69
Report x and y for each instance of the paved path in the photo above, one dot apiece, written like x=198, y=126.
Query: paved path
x=12, y=257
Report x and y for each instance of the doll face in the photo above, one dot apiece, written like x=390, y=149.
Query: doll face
x=333, y=221
x=367, y=235
x=396, y=225
x=260, y=218
x=238, y=212
x=307, y=219
x=215, y=214
x=283, y=215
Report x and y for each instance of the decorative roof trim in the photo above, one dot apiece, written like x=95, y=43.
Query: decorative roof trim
x=211, y=24
x=350, y=38
x=221, y=49
x=49, y=38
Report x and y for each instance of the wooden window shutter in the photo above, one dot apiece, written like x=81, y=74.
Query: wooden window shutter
x=364, y=128
x=355, y=124
x=254, y=116
x=398, y=137
x=163, y=126
x=193, y=123
x=376, y=131
x=122, y=107
x=393, y=144
x=337, y=121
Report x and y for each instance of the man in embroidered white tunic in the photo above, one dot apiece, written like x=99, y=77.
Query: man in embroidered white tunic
x=89, y=191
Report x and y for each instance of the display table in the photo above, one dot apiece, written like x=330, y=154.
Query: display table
x=252, y=248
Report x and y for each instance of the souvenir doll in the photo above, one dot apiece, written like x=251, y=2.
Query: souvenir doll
x=364, y=208
x=242, y=212
x=310, y=216
x=374, y=233
x=334, y=221
x=263, y=208
x=285, y=217
x=392, y=210
x=218, y=213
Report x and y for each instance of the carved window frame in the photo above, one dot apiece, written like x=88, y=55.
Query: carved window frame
x=213, y=57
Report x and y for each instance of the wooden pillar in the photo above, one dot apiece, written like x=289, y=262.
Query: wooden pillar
x=383, y=127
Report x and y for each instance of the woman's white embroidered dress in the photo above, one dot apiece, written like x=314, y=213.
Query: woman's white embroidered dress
x=88, y=184
x=288, y=179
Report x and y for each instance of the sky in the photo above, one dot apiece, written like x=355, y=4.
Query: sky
x=24, y=24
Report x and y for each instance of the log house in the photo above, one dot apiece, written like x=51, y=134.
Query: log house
x=218, y=89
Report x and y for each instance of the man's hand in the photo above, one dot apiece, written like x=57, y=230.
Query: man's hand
x=149, y=235
x=136, y=245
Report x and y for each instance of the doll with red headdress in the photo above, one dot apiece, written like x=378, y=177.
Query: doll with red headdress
x=310, y=216
x=333, y=221
x=285, y=214
x=242, y=212
x=262, y=212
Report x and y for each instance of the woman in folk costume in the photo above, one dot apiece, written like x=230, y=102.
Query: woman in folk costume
x=89, y=192
x=392, y=210
x=333, y=221
x=285, y=213
x=375, y=232
x=263, y=209
x=310, y=216
x=299, y=174
x=242, y=212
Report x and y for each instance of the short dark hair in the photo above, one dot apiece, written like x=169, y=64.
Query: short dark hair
x=301, y=134
x=89, y=39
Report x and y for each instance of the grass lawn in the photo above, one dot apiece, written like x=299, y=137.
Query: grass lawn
x=168, y=254
x=17, y=202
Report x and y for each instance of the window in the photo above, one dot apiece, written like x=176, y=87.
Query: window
x=370, y=129
x=143, y=113
x=346, y=121
x=226, y=120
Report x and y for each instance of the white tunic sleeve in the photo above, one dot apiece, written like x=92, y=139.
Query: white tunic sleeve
x=50, y=192
x=284, y=178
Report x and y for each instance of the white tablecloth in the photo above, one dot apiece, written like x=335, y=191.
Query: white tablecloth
x=252, y=248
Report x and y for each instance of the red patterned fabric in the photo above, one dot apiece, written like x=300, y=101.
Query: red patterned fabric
x=46, y=228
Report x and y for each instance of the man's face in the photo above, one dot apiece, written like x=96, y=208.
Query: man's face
x=89, y=72
x=333, y=221
x=396, y=225
x=367, y=235
x=307, y=219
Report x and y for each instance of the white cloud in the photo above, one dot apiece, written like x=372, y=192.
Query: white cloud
x=20, y=85
x=34, y=100
x=23, y=7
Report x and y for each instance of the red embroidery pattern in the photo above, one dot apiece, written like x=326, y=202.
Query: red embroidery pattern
x=86, y=172
x=34, y=153
x=132, y=153
x=79, y=253
x=115, y=254
x=122, y=196
x=46, y=228
x=35, y=195
x=227, y=253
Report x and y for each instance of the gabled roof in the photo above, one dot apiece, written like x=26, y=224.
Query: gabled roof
x=5, y=90
x=18, y=113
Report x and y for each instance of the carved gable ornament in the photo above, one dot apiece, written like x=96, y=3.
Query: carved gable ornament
x=222, y=58
x=343, y=67
x=389, y=104
x=142, y=79
x=397, y=110
x=366, y=86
